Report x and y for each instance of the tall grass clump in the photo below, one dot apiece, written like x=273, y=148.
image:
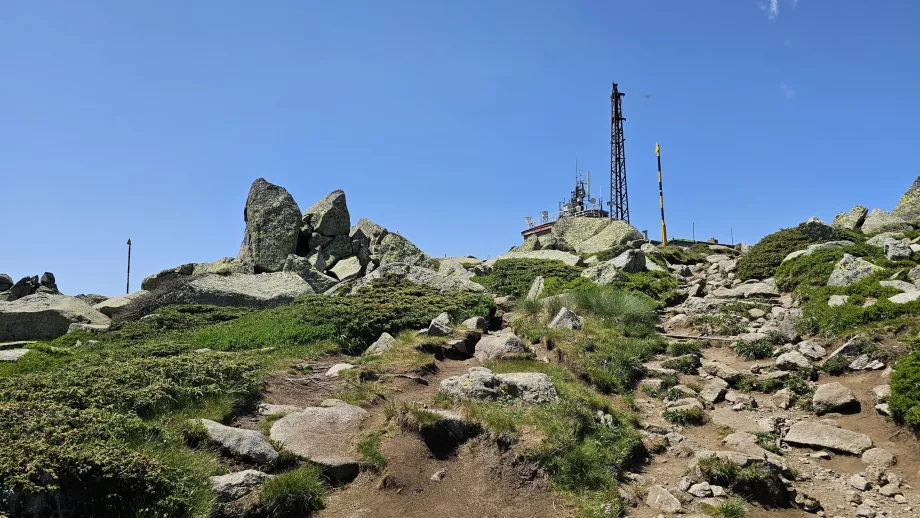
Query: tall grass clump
x=294, y=494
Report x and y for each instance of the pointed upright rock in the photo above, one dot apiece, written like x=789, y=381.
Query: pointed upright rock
x=272, y=227
x=908, y=208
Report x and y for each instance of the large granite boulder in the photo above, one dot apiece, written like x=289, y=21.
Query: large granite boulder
x=415, y=274
x=819, y=435
x=499, y=345
x=263, y=290
x=852, y=219
x=851, y=270
x=44, y=316
x=23, y=288
x=6, y=282
x=272, y=227
x=834, y=397
x=882, y=221
x=367, y=230
x=482, y=384
x=158, y=279
x=323, y=435
x=815, y=247
x=592, y=235
x=329, y=216
x=908, y=207
x=394, y=248
x=327, y=255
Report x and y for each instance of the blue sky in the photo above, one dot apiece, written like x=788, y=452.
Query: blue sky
x=446, y=121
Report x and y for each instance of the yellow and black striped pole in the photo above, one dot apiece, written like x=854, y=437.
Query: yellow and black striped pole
x=664, y=229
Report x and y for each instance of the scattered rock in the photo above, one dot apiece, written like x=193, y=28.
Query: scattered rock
x=12, y=355
x=834, y=397
x=440, y=326
x=566, y=319
x=810, y=433
x=783, y=399
x=439, y=475
x=896, y=250
x=721, y=370
x=881, y=393
x=383, y=343
x=480, y=383
x=498, y=346
x=237, y=485
x=536, y=287
x=111, y=306
x=270, y=409
x=811, y=349
x=249, y=445
x=792, y=360
x=837, y=300
x=879, y=457
x=714, y=390
x=659, y=498
x=701, y=490
x=858, y=482
x=602, y=274
x=529, y=387
x=478, y=323
x=323, y=435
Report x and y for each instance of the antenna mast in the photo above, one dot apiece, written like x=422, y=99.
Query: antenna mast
x=619, y=196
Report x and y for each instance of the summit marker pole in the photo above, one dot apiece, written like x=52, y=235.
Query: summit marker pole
x=664, y=229
x=128, y=285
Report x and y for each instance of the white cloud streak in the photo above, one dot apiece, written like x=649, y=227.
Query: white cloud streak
x=788, y=92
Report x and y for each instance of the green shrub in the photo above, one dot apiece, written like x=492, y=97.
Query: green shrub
x=294, y=494
x=762, y=259
x=683, y=255
x=686, y=364
x=514, y=276
x=369, y=450
x=691, y=416
x=658, y=285
x=354, y=321
x=82, y=456
x=556, y=286
x=760, y=481
x=836, y=366
x=616, y=364
x=732, y=508
x=754, y=349
x=904, y=400
x=815, y=269
x=682, y=348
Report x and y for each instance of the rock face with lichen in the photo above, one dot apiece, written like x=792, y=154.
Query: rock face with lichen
x=591, y=235
x=879, y=221
x=908, y=207
x=852, y=219
x=272, y=226
x=851, y=270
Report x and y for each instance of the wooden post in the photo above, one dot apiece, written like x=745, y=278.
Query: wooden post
x=664, y=229
x=128, y=285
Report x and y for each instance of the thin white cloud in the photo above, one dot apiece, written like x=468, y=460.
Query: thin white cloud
x=772, y=8
x=788, y=92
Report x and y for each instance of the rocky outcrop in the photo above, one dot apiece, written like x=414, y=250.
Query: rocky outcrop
x=818, y=246
x=417, y=275
x=6, y=282
x=265, y=290
x=591, y=235
x=300, y=266
x=850, y=220
x=879, y=221
x=44, y=316
x=630, y=261
x=908, y=208
x=851, y=270
x=602, y=274
x=272, y=227
x=323, y=435
x=394, y=248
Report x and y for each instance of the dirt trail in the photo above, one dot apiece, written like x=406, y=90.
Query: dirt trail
x=480, y=480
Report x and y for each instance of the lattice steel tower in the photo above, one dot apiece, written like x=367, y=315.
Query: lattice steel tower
x=619, y=195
